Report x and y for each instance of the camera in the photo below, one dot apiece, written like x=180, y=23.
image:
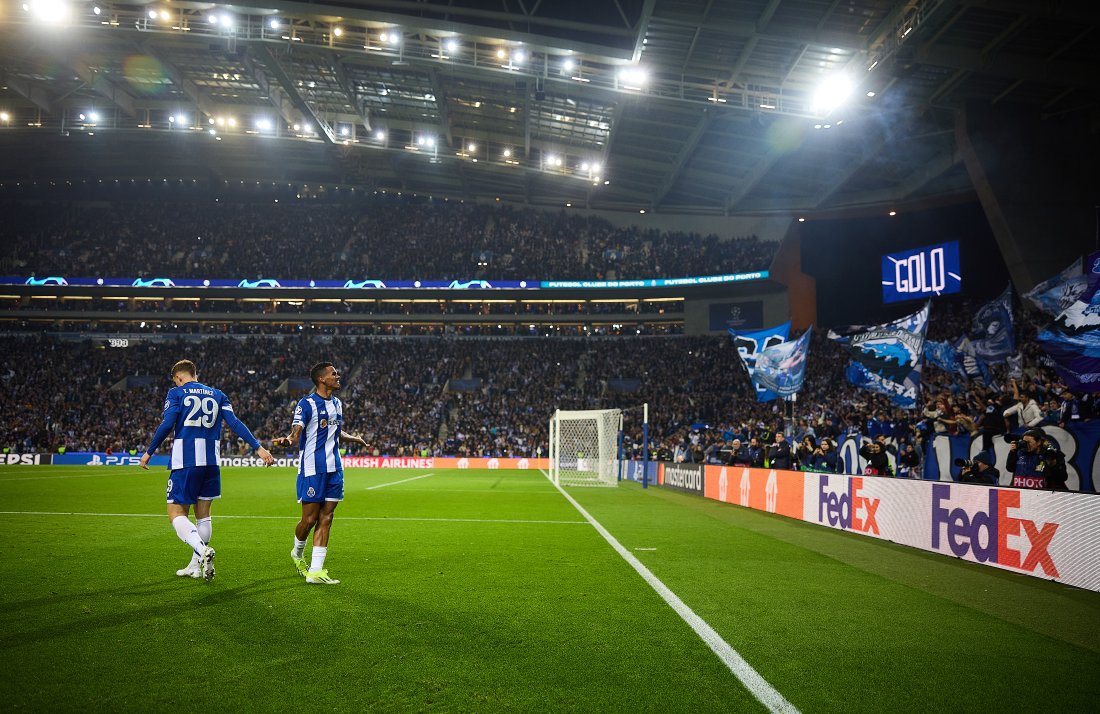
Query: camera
x=964, y=463
x=1012, y=438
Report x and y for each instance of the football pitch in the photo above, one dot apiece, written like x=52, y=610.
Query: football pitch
x=484, y=591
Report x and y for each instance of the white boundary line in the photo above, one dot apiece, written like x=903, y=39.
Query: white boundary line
x=394, y=483
x=52, y=478
x=757, y=685
x=295, y=518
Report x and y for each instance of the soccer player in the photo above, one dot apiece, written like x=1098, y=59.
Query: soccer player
x=195, y=412
x=317, y=427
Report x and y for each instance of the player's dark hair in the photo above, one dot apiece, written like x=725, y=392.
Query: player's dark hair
x=317, y=370
x=185, y=365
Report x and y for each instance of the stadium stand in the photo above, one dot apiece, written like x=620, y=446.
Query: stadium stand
x=491, y=396
x=386, y=236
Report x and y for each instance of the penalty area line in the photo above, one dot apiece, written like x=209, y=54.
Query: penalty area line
x=756, y=684
x=394, y=483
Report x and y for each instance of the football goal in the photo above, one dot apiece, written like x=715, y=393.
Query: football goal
x=584, y=447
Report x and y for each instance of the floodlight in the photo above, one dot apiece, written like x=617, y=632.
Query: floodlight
x=263, y=124
x=171, y=120
x=831, y=93
x=584, y=166
x=451, y=45
x=231, y=121
x=380, y=135
x=48, y=10
x=519, y=56
x=152, y=14
x=94, y=117
x=4, y=116
x=337, y=31
x=273, y=23
x=501, y=54
x=633, y=77
x=164, y=15
x=568, y=64
x=471, y=147
x=96, y=10
x=344, y=131
x=507, y=153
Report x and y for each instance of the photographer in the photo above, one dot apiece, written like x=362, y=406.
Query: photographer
x=981, y=470
x=824, y=458
x=738, y=455
x=1035, y=462
x=878, y=462
x=805, y=452
x=909, y=462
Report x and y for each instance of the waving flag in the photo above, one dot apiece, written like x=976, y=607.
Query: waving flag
x=941, y=354
x=782, y=368
x=1055, y=294
x=1073, y=339
x=992, y=331
x=887, y=359
x=969, y=364
x=751, y=344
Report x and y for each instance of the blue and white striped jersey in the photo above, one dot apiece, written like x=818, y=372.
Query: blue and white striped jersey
x=319, y=444
x=195, y=413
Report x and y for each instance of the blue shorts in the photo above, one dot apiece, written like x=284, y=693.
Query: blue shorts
x=198, y=483
x=321, y=487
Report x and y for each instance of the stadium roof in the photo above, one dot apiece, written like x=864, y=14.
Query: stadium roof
x=682, y=106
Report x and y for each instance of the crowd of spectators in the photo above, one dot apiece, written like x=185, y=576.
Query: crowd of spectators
x=387, y=237
x=454, y=395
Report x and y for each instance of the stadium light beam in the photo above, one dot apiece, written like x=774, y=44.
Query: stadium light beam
x=833, y=92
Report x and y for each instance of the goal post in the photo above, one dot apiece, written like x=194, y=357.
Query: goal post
x=584, y=447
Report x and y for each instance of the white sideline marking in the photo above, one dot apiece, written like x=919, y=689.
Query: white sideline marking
x=394, y=483
x=757, y=685
x=51, y=478
x=295, y=518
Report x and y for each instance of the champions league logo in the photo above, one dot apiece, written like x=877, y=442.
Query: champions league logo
x=735, y=318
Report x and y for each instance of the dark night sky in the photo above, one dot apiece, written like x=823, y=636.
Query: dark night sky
x=845, y=256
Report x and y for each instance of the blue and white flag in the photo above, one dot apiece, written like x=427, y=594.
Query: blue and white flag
x=992, y=330
x=968, y=363
x=941, y=354
x=781, y=369
x=887, y=359
x=1055, y=294
x=751, y=344
x=1073, y=339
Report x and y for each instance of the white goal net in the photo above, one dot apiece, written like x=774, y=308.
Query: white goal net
x=584, y=447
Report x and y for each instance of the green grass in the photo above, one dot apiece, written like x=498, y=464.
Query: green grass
x=486, y=591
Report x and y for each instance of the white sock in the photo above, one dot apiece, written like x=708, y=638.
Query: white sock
x=299, y=547
x=187, y=532
x=318, y=558
x=204, y=527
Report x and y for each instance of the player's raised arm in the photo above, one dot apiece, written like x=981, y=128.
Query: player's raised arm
x=302, y=412
x=353, y=438
x=242, y=430
x=289, y=439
